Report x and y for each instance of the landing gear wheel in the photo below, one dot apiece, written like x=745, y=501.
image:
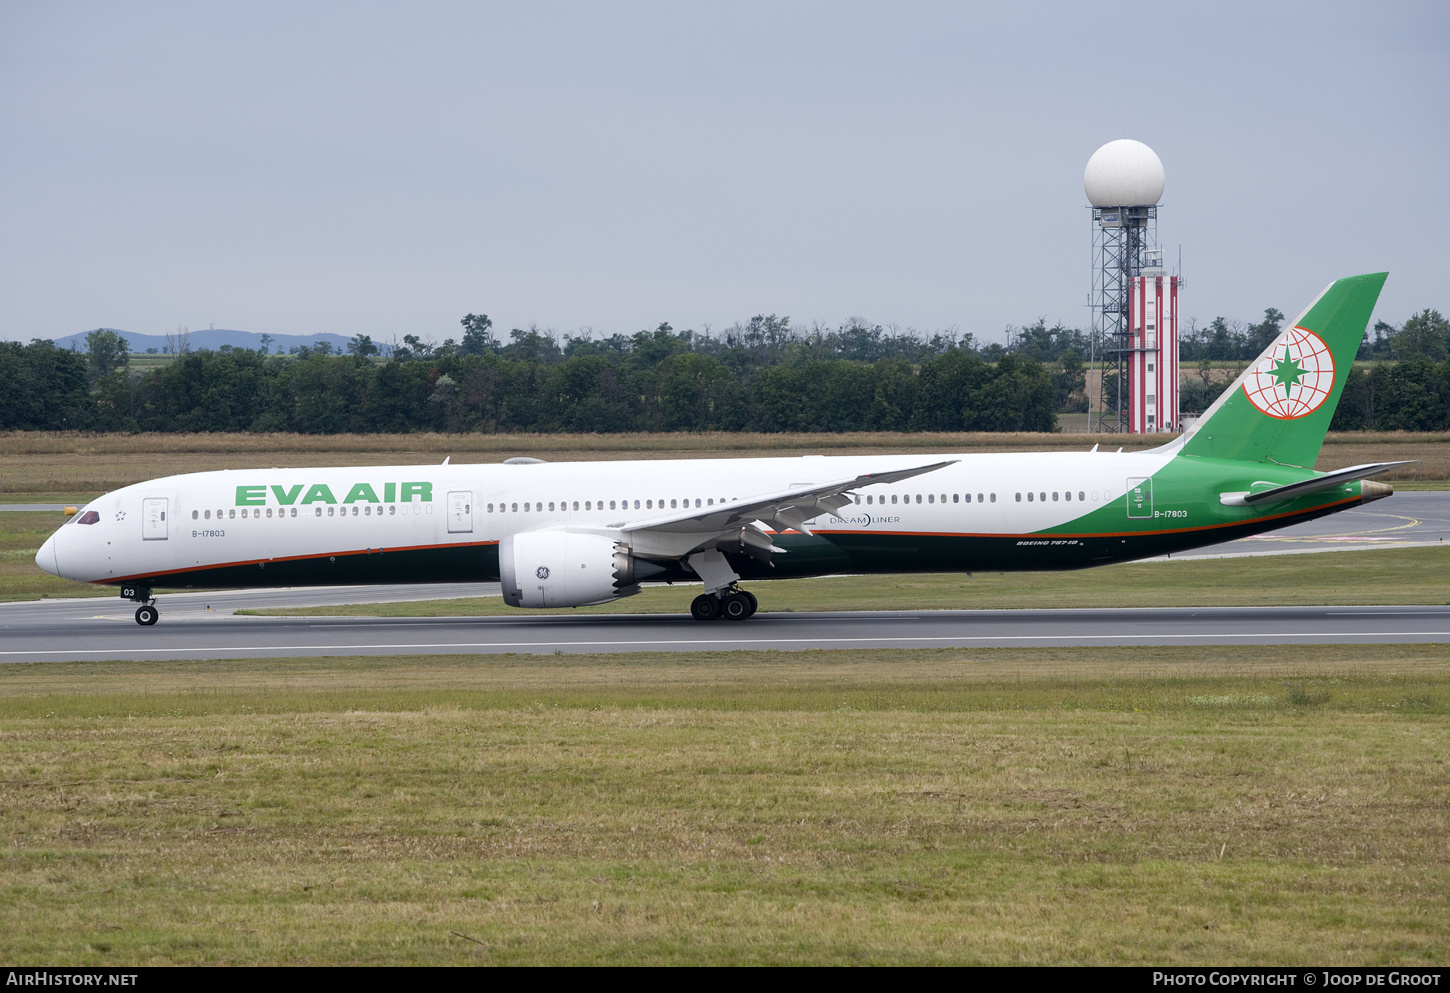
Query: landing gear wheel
x=705, y=608
x=147, y=615
x=754, y=603
x=735, y=607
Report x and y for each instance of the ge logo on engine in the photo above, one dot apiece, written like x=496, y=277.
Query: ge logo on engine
x=542, y=572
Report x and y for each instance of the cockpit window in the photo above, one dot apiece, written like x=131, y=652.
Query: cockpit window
x=89, y=517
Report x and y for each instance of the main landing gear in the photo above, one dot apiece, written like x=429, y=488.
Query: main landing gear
x=146, y=614
x=733, y=604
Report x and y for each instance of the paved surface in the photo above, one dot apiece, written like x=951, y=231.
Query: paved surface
x=56, y=507
x=116, y=636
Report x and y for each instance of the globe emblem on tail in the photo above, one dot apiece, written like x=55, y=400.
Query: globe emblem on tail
x=1294, y=378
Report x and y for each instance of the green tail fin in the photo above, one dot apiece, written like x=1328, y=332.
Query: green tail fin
x=1280, y=408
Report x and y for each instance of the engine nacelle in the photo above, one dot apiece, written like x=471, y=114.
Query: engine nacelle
x=563, y=569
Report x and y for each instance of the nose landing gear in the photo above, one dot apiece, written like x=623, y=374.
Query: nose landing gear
x=733, y=604
x=146, y=614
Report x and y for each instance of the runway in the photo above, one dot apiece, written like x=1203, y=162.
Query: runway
x=201, y=625
x=224, y=636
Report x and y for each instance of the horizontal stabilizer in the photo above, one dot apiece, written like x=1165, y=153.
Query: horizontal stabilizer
x=1325, y=482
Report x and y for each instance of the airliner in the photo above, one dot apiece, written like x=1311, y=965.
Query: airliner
x=570, y=534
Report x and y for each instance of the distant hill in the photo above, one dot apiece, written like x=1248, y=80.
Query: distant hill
x=211, y=338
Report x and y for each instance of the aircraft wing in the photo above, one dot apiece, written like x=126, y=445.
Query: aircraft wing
x=783, y=509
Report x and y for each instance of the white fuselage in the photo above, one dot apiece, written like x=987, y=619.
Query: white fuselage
x=182, y=524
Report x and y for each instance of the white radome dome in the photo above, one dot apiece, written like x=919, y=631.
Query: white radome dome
x=1124, y=173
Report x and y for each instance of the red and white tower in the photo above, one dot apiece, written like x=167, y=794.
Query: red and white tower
x=1152, y=352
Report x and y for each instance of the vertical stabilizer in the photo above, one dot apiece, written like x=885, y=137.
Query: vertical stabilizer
x=1279, y=409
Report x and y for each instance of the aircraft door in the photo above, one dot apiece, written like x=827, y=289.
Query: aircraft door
x=153, y=519
x=460, y=511
x=1140, y=496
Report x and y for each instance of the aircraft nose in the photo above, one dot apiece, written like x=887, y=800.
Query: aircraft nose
x=46, y=558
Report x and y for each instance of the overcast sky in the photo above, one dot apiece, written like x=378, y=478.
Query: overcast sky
x=386, y=168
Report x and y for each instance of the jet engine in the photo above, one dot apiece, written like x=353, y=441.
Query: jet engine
x=567, y=569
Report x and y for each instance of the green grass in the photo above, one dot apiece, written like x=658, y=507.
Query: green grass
x=1165, y=806
x=1388, y=576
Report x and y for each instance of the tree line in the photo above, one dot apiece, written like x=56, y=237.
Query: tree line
x=769, y=378
x=764, y=375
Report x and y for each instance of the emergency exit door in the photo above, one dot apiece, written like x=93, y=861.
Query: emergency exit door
x=153, y=519
x=1140, y=497
x=460, y=511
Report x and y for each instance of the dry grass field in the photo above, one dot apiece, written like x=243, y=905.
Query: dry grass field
x=72, y=465
x=1163, y=806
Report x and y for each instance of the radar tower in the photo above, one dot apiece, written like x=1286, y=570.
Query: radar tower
x=1134, y=303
